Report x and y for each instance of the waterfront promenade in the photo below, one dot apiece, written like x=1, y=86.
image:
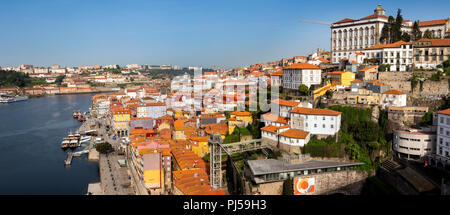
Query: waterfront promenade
x=114, y=179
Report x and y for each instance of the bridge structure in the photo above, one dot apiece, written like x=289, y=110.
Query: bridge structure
x=217, y=149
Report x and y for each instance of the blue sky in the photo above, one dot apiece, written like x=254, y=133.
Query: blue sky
x=225, y=33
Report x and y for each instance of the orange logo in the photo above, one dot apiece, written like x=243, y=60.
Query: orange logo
x=304, y=186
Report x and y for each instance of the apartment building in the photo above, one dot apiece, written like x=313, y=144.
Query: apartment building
x=320, y=122
x=301, y=73
x=428, y=53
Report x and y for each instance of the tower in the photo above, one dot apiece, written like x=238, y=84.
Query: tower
x=379, y=10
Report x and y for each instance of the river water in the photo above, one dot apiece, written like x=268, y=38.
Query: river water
x=31, y=158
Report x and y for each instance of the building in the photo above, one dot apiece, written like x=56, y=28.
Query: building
x=240, y=119
x=292, y=139
x=414, y=144
x=438, y=28
x=273, y=170
x=284, y=107
x=368, y=74
x=121, y=117
x=428, y=53
x=393, y=98
x=153, y=110
x=320, y=122
x=301, y=73
x=443, y=134
x=398, y=55
x=276, y=79
x=341, y=78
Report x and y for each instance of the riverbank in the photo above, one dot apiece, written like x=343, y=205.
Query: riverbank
x=31, y=157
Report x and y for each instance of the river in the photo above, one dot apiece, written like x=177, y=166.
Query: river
x=31, y=158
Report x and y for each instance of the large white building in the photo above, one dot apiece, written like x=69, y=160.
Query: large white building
x=414, y=144
x=355, y=35
x=398, y=55
x=393, y=98
x=321, y=122
x=301, y=73
x=443, y=134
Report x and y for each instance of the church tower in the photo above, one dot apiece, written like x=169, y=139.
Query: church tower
x=380, y=11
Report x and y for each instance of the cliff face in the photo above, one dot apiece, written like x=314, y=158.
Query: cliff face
x=402, y=82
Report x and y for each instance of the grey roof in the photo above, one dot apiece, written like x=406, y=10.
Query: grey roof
x=267, y=166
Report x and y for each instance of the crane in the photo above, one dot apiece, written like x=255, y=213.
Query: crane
x=315, y=22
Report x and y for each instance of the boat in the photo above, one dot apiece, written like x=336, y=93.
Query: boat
x=76, y=114
x=65, y=143
x=81, y=118
x=4, y=98
x=71, y=141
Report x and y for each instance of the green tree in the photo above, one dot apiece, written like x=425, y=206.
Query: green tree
x=427, y=119
x=303, y=90
x=288, y=187
x=103, y=147
x=416, y=33
x=387, y=31
x=427, y=34
x=59, y=79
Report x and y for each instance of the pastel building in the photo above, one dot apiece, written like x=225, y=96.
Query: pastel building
x=320, y=122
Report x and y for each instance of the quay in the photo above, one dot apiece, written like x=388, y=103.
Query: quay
x=69, y=159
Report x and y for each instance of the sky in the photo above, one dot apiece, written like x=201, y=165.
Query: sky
x=225, y=33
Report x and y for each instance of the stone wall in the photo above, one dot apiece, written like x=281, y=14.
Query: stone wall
x=347, y=182
x=401, y=81
x=274, y=188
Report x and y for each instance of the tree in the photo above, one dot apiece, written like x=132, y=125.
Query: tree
x=329, y=94
x=288, y=187
x=303, y=90
x=406, y=37
x=416, y=33
x=387, y=31
x=427, y=34
x=397, y=28
x=59, y=79
x=103, y=147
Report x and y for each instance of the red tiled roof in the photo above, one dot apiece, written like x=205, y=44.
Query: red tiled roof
x=344, y=20
x=368, y=68
x=315, y=111
x=446, y=112
x=294, y=133
x=433, y=22
x=302, y=66
x=394, y=92
x=437, y=42
x=285, y=102
x=392, y=45
x=270, y=128
x=275, y=118
x=278, y=73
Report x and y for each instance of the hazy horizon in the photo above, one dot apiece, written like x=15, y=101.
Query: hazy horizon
x=185, y=33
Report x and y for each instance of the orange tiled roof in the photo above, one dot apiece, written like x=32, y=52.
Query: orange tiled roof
x=286, y=102
x=294, y=133
x=241, y=113
x=344, y=20
x=270, y=128
x=275, y=118
x=394, y=92
x=277, y=73
x=392, y=45
x=315, y=111
x=446, y=112
x=302, y=66
x=365, y=69
x=433, y=22
x=437, y=42
x=219, y=128
x=356, y=81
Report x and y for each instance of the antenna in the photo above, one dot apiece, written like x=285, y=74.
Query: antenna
x=315, y=22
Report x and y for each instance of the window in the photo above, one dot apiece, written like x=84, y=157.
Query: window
x=315, y=125
x=323, y=126
x=332, y=126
